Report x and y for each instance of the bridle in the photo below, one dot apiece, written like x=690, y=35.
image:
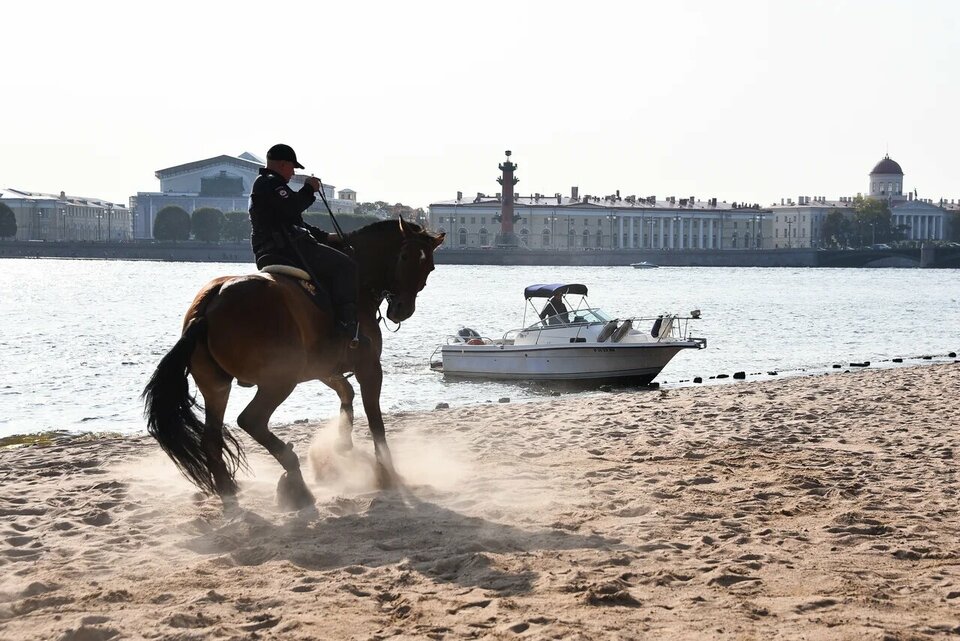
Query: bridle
x=386, y=294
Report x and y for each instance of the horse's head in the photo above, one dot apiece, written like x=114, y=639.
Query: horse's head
x=413, y=264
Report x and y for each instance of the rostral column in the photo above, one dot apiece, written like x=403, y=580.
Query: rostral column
x=507, y=181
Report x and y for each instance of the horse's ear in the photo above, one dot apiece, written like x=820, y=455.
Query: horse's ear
x=438, y=239
x=402, y=228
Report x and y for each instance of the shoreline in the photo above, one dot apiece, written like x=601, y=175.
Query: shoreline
x=551, y=393
x=803, y=507
x=940, y=257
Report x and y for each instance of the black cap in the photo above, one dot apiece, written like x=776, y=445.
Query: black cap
x=284, y=152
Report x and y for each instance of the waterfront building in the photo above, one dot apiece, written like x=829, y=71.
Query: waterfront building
x=541, y=222
x=222, y=182
x=799, y=223
x=61, y=217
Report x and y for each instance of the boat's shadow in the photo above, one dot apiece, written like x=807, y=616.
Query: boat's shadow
x=558, y=388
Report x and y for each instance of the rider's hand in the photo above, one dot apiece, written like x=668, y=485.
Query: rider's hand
x=314, y=182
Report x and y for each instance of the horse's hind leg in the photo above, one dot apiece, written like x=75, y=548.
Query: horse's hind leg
x=292, y=492
x=214, y=385
x=344, y=390
x=215, y=404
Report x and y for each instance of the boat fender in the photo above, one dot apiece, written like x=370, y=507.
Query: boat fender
x=666, y=326
x=656, y=327
x=622, y=331
x=607, y=331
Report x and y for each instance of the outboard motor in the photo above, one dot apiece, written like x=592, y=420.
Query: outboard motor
x=466, y=333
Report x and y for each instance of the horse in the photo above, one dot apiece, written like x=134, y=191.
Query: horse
x=264, y=330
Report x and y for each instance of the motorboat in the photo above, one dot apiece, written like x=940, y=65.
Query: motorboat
x=582, y=343
x=643, y=265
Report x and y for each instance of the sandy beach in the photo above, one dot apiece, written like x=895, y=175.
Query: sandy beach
x=819, y=507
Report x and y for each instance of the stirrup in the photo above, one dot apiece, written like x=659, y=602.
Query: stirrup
x=354, y=341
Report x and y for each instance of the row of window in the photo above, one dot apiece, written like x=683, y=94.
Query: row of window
x=601, y=221
x=803, y=232
x=483, y=238
x=79, y=213
x=890, y=187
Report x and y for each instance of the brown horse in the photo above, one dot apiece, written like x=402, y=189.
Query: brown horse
x=264, y=330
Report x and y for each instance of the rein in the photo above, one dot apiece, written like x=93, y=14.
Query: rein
x=385, y=295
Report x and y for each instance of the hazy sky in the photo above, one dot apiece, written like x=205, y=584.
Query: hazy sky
x=411, y=101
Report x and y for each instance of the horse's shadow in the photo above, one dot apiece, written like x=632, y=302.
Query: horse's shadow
x=397, y=527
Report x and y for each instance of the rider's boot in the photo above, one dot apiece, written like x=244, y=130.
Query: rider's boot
x=346, y=322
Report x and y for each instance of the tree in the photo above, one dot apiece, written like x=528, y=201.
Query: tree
x=236, y=226
x=399, y=209
x=872, y=220
x=365, y=208
x=206, y=224
x=348, y=222
x=836, y=229
x=172, y=223
x=8, y=222
x=955, y=226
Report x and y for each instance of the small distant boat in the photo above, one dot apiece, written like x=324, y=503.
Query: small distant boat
x=581, y=344
x=643, y=265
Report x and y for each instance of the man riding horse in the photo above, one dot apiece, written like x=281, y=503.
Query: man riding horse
x=264, y=331
x=281, y=236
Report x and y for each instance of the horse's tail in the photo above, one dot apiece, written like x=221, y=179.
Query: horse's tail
x=171, y=420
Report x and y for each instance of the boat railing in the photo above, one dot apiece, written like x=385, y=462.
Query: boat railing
x=678, y=327
x=671, y=327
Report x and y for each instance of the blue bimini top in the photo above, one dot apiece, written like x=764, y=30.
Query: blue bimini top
x=547, y=291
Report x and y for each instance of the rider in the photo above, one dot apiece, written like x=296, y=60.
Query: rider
x=280, y=236
x=554, y=312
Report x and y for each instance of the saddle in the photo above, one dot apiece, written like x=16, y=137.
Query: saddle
x=314, y=290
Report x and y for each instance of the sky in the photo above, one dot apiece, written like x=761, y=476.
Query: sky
x=413, y=101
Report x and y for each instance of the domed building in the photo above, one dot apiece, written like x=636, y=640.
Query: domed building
x=798, y=224
x=886, y=179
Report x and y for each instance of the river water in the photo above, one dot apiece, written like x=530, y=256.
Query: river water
x=79, y=338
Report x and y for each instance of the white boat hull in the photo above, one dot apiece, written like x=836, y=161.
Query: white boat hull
x=637, y=363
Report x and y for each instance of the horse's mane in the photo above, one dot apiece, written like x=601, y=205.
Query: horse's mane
x=383, y=229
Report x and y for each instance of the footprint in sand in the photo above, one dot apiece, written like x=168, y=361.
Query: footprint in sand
x=726, y=580
x=89, y=633
x=97, y=518
x=18, y=541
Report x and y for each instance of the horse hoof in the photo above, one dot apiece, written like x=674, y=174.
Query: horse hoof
x=292, y=494
x=387, y=477
x=229, y=501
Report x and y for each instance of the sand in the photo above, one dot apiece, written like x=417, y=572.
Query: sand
x=807, y=508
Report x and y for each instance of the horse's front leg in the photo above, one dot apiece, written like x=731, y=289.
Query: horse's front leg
x=370, y=377
x=344, y=390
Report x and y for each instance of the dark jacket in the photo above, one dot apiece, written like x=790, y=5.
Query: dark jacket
x=554, y=312
x=276, y=215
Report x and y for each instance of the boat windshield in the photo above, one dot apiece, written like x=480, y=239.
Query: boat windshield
x=574, y=317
